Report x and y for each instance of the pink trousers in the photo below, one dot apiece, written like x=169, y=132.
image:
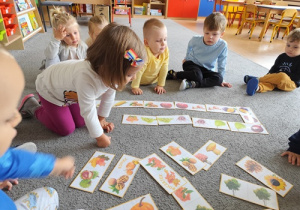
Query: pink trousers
x=59, y=119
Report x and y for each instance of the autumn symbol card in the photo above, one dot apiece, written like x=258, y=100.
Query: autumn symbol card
x=249, y=192
x=90, y=175
x=248, y=115
x=183, y=157
x=174, y=120
x=190, y=106
x=248, y=128
x=162, y=173
x=144, y=202
x=222, y=109
x=208, y=123
x=139, y=120
x=123, y=103
x=159, y=104
x=189, y=198
x=264, y=175
x=209, y=153
x=121, y=176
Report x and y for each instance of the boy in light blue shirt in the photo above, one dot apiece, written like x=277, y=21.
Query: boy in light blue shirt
x=203, y=53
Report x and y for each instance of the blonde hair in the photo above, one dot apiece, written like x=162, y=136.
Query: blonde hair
x=61, y=17
x=150, y=24
x=294, y=36
x=106, y=54
x=96, y=20
x=216, y=21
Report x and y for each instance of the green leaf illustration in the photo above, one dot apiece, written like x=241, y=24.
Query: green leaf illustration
x=165, y=120
x=219, y=123
x=239, y=125
x=147, y=120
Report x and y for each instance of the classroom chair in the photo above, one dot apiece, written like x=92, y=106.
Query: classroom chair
x=287, y=14
x=122, y=7
x=250, y=16
x=240, y=12
x=49, y=4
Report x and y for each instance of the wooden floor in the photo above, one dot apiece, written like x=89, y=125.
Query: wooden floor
x=263, y=53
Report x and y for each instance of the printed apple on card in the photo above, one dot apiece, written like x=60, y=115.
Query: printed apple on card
x=209, y=153
x=248, y=128
x=267, y=177
x=139, y=120
x=159, y=104
x=183, y=157
x=248, y=115
x=174, y=120
x=121, y=176
x=222, y=109
x=143, y=202
x=249, y=192
x=188, y=198
x=90, y=175
x=123, y=103
x=208, y=123
x=162, y=173
x=190, y=106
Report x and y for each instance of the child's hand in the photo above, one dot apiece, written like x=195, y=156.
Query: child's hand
x=8, y=184
x=103, y=141
x=137, y=91
x=107, y=126
x=60, y=32
x=293, y=158
x=159, y=90
x=226, y=84
x=64, y=167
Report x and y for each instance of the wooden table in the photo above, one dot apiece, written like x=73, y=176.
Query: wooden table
x=268, y=9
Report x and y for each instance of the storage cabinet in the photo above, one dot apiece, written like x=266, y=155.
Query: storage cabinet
x=157, y=9
x=187, y=9
x=12, y=37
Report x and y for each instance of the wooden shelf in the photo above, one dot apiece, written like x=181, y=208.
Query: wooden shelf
x=26, y=11
x=16, y=41
x=163, y=6
x=32, y=34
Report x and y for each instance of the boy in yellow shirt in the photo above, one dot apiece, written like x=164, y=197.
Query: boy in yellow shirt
x=156, y=68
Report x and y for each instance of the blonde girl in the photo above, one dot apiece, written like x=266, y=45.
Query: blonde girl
x=68, y=90
x=95, y=25
x=65, y=43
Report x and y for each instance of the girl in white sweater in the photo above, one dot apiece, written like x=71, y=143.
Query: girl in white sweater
x=68, y=90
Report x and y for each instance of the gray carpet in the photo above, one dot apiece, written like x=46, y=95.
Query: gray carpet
x=278, y=111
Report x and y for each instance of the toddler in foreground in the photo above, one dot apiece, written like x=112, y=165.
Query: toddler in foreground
x=95, y=25
x=284, y=74
x=203, y=53
x=156, y=69
x=65, y=43
x=68, y=90
x=17, y=163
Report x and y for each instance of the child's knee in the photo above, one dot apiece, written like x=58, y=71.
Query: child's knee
x=66, y=130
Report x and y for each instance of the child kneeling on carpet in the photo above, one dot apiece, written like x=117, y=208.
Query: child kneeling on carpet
x=68, y=90
x=65, y=43
x=202, y=54
x=293, y=151
x=284, y=74
x=95, y=25
x=18, y=163
x=156, y=68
